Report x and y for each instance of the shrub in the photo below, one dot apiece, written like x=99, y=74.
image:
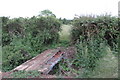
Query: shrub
x=88, y=53
x=92, y=35
x=25, y=38
x=85, y=28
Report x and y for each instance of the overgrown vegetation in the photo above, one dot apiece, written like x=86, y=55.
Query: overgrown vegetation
x=96, y=39
x=25, y=74
x=24, y=38
x=92, y=36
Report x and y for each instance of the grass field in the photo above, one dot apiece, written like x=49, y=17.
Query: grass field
x=65, y=33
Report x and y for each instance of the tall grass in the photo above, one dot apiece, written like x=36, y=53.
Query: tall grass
x=107, y=66
x=103, y=56
x=65, y=33
x=87, y=64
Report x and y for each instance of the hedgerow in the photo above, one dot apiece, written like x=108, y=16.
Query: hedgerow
x=24, y=38
x=92, y=35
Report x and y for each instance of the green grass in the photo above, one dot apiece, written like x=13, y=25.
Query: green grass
x=107, y=66
x=65, y=33
x=25, y=74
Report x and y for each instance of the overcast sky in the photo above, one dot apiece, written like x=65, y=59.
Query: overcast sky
x=61, y=8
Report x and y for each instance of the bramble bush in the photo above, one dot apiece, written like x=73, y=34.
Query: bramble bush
x=92, y=35
x=87, y=27
x=24, y=38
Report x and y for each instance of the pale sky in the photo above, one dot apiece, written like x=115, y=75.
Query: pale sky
x=61, y=8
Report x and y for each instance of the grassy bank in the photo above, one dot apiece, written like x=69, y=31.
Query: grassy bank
x=107, y=66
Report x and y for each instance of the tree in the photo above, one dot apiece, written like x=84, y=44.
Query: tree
x=46, y=13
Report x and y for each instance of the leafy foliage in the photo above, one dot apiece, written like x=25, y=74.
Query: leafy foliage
x=24, y=38
x=24, y=74
x=89, y=27
x=92, y=35
x=89, y=53
x=47, y=13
